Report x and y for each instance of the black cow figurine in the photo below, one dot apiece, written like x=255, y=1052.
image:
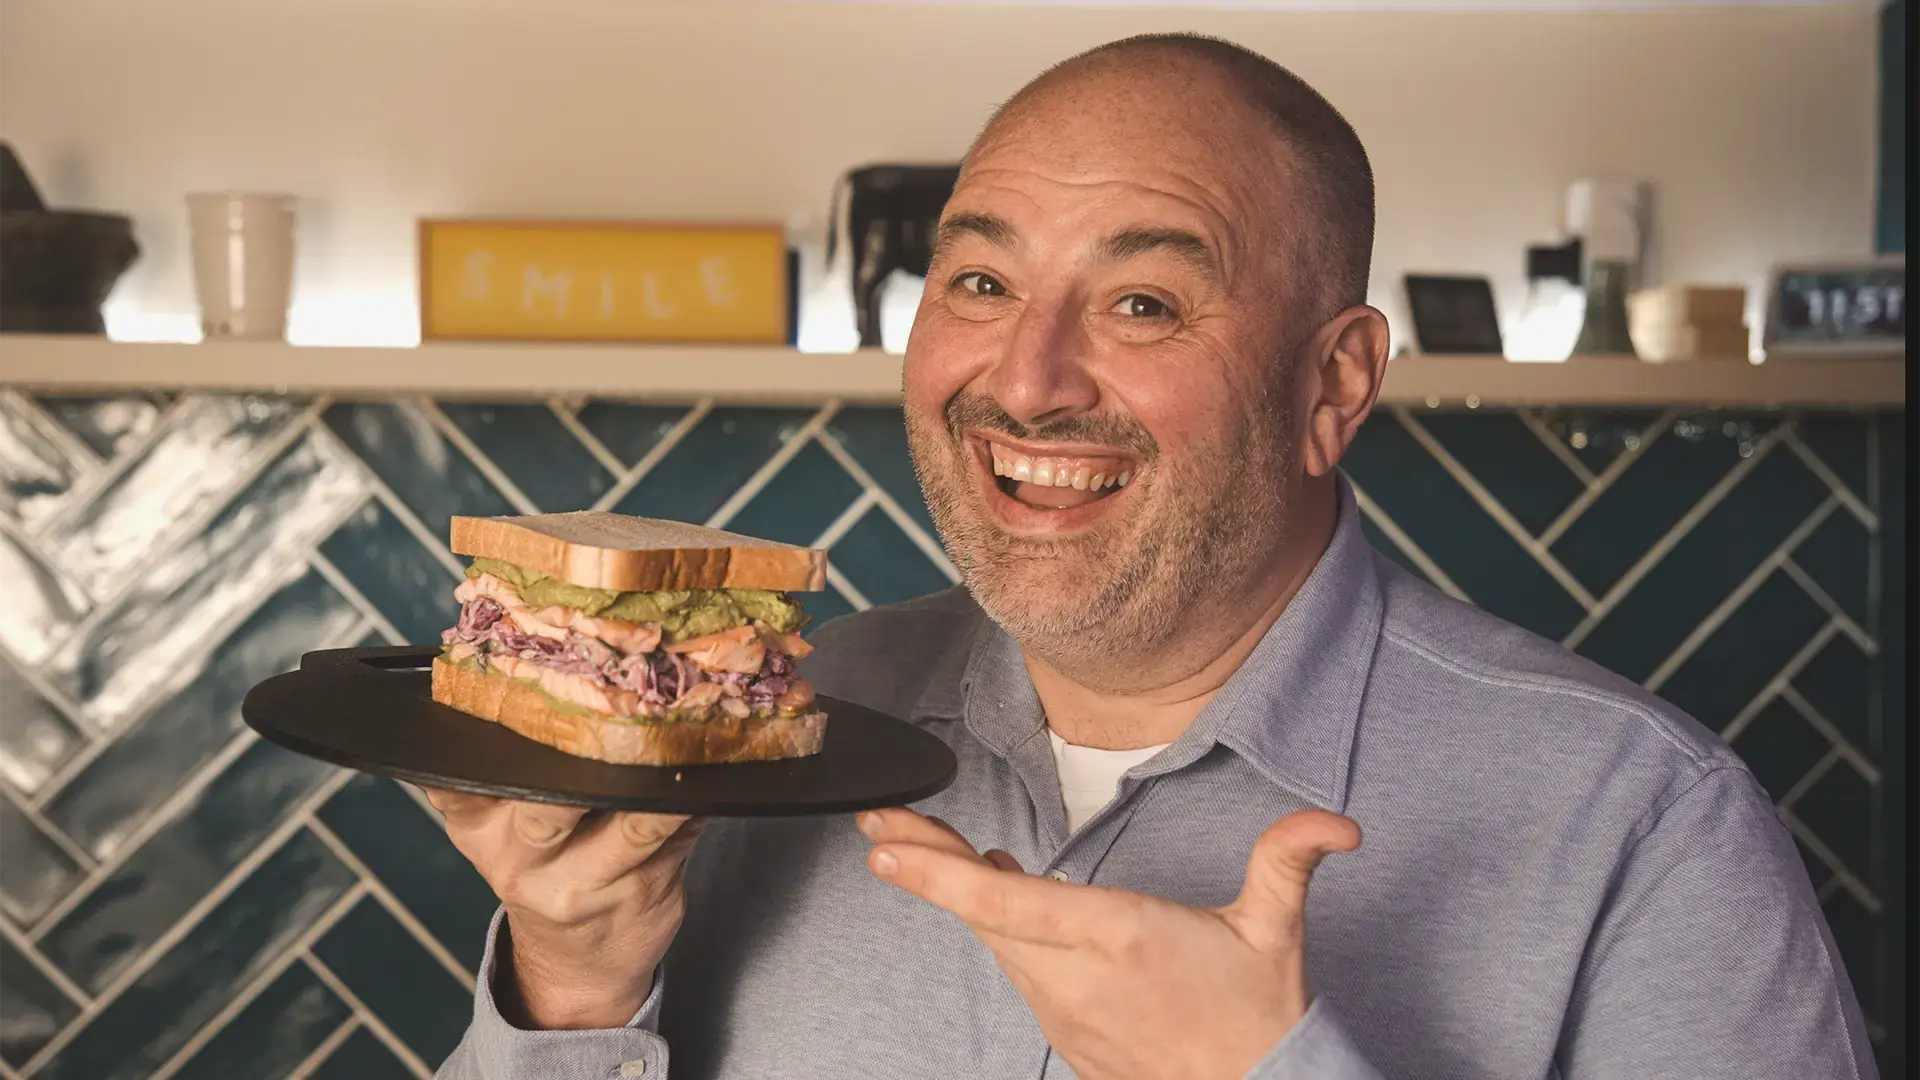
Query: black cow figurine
x=891, y=213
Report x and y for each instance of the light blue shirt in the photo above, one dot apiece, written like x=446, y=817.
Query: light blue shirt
x=1562, y=875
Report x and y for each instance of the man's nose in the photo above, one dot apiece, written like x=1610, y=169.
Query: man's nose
x=1041, y=373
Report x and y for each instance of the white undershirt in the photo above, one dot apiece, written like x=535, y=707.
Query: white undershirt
x=1089, y=778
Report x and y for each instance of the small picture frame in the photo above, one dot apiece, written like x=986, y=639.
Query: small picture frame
x=1453, y=315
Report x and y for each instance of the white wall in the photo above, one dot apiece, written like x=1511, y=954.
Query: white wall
x=1755, y=124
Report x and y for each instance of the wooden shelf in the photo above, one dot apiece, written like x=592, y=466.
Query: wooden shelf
x=771, y=375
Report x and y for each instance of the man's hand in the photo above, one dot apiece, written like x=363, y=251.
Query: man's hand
x=1124, y=984
x=593, y=901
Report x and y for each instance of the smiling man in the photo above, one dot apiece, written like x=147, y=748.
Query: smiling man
x=1176, y=681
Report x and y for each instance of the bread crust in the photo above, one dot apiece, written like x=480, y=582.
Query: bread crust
x=522, y=707
x=634, y=554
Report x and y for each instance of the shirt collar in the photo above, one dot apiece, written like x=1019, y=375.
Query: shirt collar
x=1291, y=709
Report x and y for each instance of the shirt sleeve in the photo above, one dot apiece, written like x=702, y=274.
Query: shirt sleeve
x=493, y=1049
x=1316, y=1049
x=1711, y=959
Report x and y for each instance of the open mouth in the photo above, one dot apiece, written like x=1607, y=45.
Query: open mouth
x=1055, y=478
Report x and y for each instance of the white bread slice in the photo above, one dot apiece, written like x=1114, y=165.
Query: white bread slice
x=634, y=554
x=521, y=706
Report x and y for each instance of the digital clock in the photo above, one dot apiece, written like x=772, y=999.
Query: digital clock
x=1853, y=309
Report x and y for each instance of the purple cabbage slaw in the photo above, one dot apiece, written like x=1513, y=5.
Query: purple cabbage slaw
x=659, y=677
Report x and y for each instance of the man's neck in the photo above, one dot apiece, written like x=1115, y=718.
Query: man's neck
x=1222, y=640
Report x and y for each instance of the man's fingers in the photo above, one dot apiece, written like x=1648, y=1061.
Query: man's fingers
x=987, y=898
x=1274, y=895
x=906, y=827
x=609, y=848
x=647, y=832
x=544, y=826
x=1003, y=861
x=459, y=804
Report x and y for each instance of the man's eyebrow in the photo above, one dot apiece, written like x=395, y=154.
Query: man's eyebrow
x=1183, y=245
x=993, y=230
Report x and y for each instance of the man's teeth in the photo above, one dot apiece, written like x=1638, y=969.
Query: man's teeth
x=1051, y=472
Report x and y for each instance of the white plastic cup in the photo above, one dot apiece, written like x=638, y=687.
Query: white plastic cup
x=242, y=263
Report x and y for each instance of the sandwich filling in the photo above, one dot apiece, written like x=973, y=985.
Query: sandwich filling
x=660, y=656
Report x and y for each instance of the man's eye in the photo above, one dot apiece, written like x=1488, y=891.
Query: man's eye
x=980, y=284
x=1141, y=306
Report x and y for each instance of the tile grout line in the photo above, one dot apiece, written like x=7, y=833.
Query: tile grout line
x=1372, y=510
x=770, y=468
x=1826, y=602
x=1731, y=602
x=1672, y=537
x=47, y=968
x=1788, y=671
x=838, y=527
x=258, y=460
x=81, y=856
x=353, y=596
x=158, y=818
x=1825, y=474
x=7, y=1073
x=323, y=1052
x=1494, y=508
x=118, y=465
x=1841, y=744
x=632, y=477
x=1851, y=881
x=915, y=532
x=93, y=738
x=1530, y=420
x=57, y=431
x=237, y=1002
x=373, y=1022
x=853, y=595
x=249, y=605
x=570, y=419
x=385, y=496
x=1811, y=777
x=185, y=924
x=1608, y=477
x=451, y=432
x=378, y=889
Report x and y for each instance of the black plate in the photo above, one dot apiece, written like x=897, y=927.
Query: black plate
x=372, y=710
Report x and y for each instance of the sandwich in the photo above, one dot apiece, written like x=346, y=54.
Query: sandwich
x=631, y=640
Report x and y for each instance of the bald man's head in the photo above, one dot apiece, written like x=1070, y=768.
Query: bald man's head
x=1327, y=212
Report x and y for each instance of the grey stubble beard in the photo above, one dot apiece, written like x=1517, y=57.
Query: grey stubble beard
x=1210, y=525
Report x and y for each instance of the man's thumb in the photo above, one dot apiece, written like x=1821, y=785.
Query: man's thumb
x=1284, y=858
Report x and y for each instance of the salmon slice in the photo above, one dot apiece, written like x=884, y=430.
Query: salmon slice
x=628, y=638
x=699, y=698
x=571, y=688
x=491, y=587
x=534, y=626
x=791, y=644
x=739, y=649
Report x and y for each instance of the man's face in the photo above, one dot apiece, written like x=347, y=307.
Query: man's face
x=1095, y=394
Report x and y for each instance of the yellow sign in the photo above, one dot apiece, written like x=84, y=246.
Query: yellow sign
x=492, y=280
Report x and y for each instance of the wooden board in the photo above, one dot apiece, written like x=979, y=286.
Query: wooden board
x=530, y=280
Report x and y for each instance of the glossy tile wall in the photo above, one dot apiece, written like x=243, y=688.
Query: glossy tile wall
x=178, y=899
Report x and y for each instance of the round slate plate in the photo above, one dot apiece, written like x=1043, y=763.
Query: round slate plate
x=372, y=710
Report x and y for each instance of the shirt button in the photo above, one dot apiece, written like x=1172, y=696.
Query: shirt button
x=630, y=1069
x=1058, y=874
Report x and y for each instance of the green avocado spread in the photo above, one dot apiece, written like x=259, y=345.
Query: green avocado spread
x=681, y=614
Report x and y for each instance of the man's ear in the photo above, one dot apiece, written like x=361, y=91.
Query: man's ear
x=1348, y=358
